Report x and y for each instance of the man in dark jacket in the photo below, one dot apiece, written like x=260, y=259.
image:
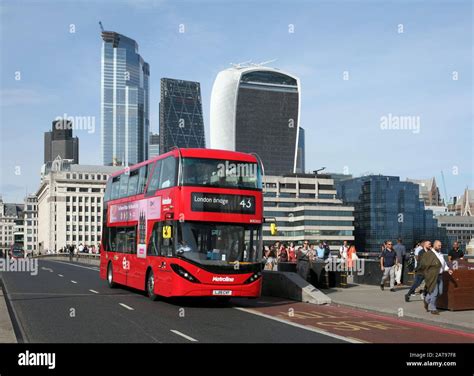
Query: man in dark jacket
x=388, y=261
x=433, y=265
x=425, y=246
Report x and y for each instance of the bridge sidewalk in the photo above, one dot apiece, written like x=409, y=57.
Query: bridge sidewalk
x=372, y=298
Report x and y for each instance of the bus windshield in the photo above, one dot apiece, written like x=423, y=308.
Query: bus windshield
x=221, y=173
x=218, y=243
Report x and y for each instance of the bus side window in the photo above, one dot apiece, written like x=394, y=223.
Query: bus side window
x=131, y=243
x=115, y=187
x=133, y=183
x=121, y=240
x=153, y=244
x=168, y=173
x=108, y=190
x=124, y=185
x=166, y=244
x=154, y=179
x=143, y=174
x=112, y=241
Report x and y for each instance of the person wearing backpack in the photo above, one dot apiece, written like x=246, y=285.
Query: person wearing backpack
x=422, y=248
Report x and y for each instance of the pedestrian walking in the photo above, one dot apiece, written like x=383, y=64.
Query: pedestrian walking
x=343, y=250
x=455, y=253
x=433, y=265
x=320, y=251
x=420, y=250
x=388, y=259
x=401, y=251
x=71, y=252
x=351, y=258
x=305, y=257
x=271, y=261
x=292, y=253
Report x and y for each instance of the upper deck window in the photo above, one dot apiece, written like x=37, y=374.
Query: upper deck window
x=221, y=173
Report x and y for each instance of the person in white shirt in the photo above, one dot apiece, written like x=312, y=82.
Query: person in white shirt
x=343, y=250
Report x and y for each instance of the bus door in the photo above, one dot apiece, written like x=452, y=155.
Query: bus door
x=126, y=248
x=138, y=265
x=165, y=249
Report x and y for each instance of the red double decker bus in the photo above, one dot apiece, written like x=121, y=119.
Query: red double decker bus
x=186, y=223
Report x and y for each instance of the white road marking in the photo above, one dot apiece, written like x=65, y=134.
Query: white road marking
x=126, y=306
x=60, y=275
x=95, y=292
x=48, y=269
x=311, y=329
x=73, y=281
x=184, y=335
x=77, y=266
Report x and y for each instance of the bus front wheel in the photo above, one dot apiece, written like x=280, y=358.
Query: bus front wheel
x=150, y=286
x=110, y=277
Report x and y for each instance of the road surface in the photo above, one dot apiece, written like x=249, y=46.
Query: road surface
x=68, y=302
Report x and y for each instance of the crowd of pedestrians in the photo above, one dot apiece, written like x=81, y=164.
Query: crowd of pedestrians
x=425, y=260
x=305, y=254
x=428, y=263
x=280, y=252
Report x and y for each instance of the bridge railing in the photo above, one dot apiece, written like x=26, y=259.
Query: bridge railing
x=86, y=258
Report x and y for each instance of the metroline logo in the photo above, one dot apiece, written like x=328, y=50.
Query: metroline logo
x=222, y=279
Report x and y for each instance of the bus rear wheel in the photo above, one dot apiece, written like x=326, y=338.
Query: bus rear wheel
x=110, y=277
x=150, y=286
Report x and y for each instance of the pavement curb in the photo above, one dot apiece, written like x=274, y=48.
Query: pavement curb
x=414, y=317
x=7, y=332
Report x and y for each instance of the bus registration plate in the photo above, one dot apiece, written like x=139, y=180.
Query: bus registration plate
x=222, y=292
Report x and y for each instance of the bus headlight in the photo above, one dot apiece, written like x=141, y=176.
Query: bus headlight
x=184, y=273
x=253, y=278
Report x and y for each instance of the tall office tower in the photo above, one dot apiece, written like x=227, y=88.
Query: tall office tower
x=124, y=101
x=60, y=142
x=300, y=153
x=256, y=109
x=181, y=121
x=154, y=145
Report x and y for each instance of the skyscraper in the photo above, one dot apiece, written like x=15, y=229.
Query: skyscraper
x=181, y=121
x=154, y=145
x=124, y=101
x=256, y=109
x=60, y=142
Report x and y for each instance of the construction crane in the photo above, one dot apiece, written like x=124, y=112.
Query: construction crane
x=445, y=190
x=101, y=27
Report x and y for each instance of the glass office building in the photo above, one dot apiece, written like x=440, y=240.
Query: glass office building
x=256, y=109
x=181, y=121
x=386, y=209
x=124, y=101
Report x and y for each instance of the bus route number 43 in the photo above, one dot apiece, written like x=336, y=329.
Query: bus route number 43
x=246, y=203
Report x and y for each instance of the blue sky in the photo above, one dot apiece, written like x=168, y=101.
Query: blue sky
x=403, y=74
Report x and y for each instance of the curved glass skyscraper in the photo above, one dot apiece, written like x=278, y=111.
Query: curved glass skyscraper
x=256, y=109
x=124, y=101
